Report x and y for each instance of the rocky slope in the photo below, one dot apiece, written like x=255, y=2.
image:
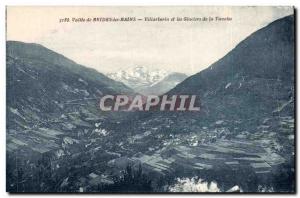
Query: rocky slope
x=164, y=85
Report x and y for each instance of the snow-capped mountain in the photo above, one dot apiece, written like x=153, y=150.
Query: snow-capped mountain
x=166, y=84
x=139, y=78
x=146, y=81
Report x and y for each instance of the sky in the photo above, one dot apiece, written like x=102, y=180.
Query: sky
x=178, y=46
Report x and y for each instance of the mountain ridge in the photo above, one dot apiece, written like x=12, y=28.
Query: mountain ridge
x=289, y=19
x=142, y=79
x=39, y=52
x=272, y=56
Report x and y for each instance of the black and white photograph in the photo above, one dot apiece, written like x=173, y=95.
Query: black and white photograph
x=150, y=99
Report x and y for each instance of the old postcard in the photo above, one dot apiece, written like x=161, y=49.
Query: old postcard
x=157, y=99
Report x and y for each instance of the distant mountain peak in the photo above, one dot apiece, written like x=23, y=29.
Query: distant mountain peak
x=139, y=77
x=148, y=81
